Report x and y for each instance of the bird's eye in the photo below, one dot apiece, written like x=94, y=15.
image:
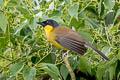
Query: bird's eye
x=47, y=22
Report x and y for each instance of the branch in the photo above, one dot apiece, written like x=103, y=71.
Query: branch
x=69, y=68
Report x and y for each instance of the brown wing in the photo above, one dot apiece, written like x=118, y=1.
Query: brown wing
x=70, y=39
x=73, y=41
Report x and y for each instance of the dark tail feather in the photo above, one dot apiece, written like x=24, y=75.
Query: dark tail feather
x=99, y=52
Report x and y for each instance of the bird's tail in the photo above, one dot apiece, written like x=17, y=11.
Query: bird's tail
x=99, y=52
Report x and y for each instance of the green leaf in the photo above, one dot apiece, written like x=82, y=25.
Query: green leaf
x=109, y=18
x=73, y=10
x=75, y=23
x=114, y=28
x=100, y=72
x=11, y=78
x=67, y=1
x=58, y=19
x=24, y=12
x=34, y=59
x=99, y=7
x=118, y=76
x=22, y=25
x=94, y=23
x=64, y=71
x=73, y=62
x=29, y=73
x=51, y=69
x=117, y=14
x=109, y=3
x=32, y=23
x=3, y=42
x=3, y=21
x=15, y=69
x=51, y=58
x=86, y=36
x=92, y=10
x=84, y=65
x=118, y=55
x=36, y=11
x=106, y=49
x=3, y=76
x=13, y=3
x=104, y=67
x=112, y=70
x=55, y=13
x=83, y=14
x=1, y=2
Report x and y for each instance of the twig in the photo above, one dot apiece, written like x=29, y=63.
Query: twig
x=1, y=56
x=11, y=63
x=69, y=68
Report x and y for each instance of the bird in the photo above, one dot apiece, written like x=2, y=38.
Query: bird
x=67, y=39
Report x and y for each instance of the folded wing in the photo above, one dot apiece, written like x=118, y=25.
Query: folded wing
x=73, y=42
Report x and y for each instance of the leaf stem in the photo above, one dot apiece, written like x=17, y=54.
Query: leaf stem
x=85, y=7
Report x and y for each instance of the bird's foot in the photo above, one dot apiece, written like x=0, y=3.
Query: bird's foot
x=65, y=54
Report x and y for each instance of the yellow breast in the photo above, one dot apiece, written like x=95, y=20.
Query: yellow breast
x=51, y=36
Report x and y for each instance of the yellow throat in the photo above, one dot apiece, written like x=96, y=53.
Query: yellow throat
x=51, y=36
x=48, y=29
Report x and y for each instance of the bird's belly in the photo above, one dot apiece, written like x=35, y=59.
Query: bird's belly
x=51, y=39
x=58, y=45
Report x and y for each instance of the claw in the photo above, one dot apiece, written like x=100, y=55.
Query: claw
x=65, y=54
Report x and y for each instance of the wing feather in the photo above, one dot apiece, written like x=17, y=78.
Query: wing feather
x=76, y=44
x=72, y=43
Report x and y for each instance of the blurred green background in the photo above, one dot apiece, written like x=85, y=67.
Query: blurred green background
x=25, y=53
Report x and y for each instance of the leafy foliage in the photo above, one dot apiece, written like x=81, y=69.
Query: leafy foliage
x=26, y=54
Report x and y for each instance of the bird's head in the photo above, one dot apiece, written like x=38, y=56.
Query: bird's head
x=49, y=22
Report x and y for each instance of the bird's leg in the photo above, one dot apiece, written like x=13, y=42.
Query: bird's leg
x=64, y=53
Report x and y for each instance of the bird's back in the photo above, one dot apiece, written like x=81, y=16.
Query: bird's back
x=70, y=39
